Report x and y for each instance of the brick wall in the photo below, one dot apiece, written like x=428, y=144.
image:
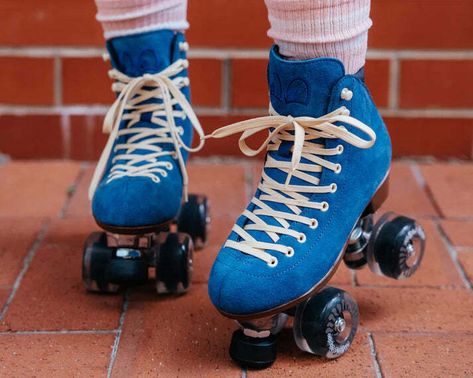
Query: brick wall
x=54, y=89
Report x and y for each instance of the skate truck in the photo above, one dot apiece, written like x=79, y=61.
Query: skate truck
x=116, y=258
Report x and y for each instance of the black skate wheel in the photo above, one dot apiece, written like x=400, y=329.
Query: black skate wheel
x=356, y=251
x=174, y=264
x=95, y=260
x=326, y=324
x=398, y=246
x=252, y=352
x=127, y=272
x=194, y=219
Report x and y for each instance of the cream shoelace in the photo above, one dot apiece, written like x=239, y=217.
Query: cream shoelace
x=301, y=131
x=129, y=106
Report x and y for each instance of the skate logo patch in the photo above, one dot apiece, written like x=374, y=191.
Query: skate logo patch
x=297, y=91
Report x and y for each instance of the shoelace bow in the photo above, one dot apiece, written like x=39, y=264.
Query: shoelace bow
x=131, y=96
x=302, y=131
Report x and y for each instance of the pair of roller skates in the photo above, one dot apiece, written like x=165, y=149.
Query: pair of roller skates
x=325, y=174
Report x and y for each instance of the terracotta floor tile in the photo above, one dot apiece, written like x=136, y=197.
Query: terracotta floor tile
x=79, y=204
x=35, y=189
x=4, y=293
x=466, y=261
x=52, y=296
x=406, y=197
x=54, y=355
x=17, y=236
x=292, y=362
x=170, y=337
x=219, y=230
x=451, y=186
x=414, y=310
x=437, y=268
x=224, y=185
x=434, y=356
x=459, y=232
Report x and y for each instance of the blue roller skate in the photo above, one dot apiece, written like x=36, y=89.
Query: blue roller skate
x=140, y=181
x=325, y=173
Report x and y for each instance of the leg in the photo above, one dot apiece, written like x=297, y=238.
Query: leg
x=326, y=167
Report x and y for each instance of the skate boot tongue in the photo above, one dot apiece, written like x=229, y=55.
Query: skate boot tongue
x=297, y=88
x=136, y=55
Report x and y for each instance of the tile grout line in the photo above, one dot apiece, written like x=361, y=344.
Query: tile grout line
x=225, y=99
x=244, y=373
x=26, y=264
x=374, y=356
x=57, y=85
x=453, y=255
x=421, y=181
x=61, y=332
x=394, y=78
x=116, y=343
x=72, y=189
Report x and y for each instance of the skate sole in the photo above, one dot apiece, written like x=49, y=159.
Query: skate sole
x=374, y=204
x=140, y=230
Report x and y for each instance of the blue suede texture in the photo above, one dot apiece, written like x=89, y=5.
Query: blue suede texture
x=139, y=201
x=240, y=284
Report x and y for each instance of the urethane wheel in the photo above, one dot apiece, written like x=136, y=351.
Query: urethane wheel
x=326, y=323
x=95, y=261
x=194, y=219
x=174, y=264
x=397, y=246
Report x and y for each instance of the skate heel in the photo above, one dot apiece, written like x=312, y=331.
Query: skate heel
x=378, y=199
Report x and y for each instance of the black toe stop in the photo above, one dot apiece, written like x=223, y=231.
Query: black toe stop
x=251, y=352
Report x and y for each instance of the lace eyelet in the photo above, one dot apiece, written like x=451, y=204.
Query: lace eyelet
x=346, y=94
x=169, y=166
x=325, y=206
x=290, y=252
x=313, y=223
x=338, y=168
x=273, y=263
x=333, y=188
x=340, y=149
x=301, y=238
x=183, y=46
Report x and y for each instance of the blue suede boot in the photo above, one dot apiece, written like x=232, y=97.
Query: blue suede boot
x=328, y=155
x=139, y=181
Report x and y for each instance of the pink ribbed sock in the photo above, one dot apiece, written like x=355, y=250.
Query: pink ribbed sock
x=305, y=29
x=125, y=17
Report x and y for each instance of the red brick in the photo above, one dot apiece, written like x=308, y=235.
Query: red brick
x=426, y=136
x=403, y=355
x=26, y=81
x=449, y=185
x=87, y=137
x=157, y=342
x=17, y=236
x=466, y=261
x=219, y=23
x=32, y=189
x=53, y=286
x=377, y=79
x=46, y=23
x=405, y=194
x=206, y=81
x=31, y=136
x=421, y=24
x=414, y=310
x=293, y=362
x=459, y=232
x=436, y=83
x=249, y=83
x=85, y=81
x=57, y=355
x=437, y=268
